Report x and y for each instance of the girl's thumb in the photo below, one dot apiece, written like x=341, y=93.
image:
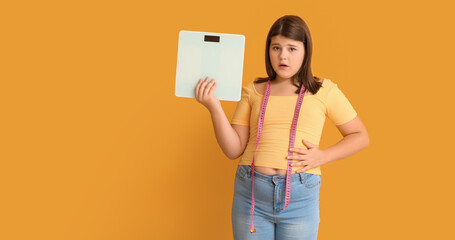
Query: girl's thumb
x=307, y=144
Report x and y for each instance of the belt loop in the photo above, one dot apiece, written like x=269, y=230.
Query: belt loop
x=302, y=177
x=248, y=172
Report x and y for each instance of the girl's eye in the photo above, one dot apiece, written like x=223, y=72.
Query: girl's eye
x=274, y=48
x=293, y=48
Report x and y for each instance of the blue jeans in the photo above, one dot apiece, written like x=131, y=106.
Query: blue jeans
x=300, y=220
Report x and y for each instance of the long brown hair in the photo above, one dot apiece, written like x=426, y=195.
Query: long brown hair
x=295, y=28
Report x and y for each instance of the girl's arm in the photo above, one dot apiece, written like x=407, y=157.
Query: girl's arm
x=355, y=138
x=232, y=141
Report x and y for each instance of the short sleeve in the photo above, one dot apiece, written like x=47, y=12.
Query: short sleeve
x=243, y=111
x=339, y=109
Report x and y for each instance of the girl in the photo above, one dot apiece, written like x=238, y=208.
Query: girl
x=286, y=112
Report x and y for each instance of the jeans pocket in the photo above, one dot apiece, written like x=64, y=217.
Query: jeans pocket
x=312, y=180
x=242, y=172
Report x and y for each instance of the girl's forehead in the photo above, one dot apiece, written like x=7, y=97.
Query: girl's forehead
x=281, y=40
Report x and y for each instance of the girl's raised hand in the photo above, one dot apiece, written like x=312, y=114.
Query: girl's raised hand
x=308, y=158
x=204, y=94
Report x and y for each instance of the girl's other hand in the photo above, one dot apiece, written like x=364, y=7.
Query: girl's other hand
x=309, y=158
x=204, y=94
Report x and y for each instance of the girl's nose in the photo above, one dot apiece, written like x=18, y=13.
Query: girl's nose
x=283, y=55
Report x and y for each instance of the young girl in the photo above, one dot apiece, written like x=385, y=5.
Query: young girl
x=276, y=128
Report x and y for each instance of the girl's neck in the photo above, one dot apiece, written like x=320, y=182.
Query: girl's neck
x=282, y=81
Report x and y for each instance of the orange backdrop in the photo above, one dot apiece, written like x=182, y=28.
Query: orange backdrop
x=95, y=145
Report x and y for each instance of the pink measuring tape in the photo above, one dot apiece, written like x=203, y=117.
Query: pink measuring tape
x=291, y=145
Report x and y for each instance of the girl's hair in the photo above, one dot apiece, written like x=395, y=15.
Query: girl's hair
x=295, y=28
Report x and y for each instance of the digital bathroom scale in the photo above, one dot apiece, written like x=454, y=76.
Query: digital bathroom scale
x=214, y=55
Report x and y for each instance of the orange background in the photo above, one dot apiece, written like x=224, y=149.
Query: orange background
x=94, y=144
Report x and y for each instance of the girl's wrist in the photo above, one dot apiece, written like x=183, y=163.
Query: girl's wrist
x=326, y=157
x=214, y=108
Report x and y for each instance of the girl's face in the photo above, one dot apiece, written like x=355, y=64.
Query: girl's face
x=286, y=51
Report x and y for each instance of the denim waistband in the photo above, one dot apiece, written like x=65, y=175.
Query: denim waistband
x=275, y=177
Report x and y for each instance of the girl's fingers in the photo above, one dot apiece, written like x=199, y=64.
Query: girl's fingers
x=203, y=86
x=197, y=87
x=300, y=150
x=213, y=88
x=300, y=164
x=298, y=157
x=209, y=87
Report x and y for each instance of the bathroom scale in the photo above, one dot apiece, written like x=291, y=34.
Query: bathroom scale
x=213, y=55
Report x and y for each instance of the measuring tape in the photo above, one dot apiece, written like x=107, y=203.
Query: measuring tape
x=291, y=145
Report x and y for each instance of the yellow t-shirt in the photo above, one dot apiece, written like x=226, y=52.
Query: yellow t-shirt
x=273, y=145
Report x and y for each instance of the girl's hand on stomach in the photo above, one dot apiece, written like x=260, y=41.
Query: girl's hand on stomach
x=308, y=158
x=204, y=94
